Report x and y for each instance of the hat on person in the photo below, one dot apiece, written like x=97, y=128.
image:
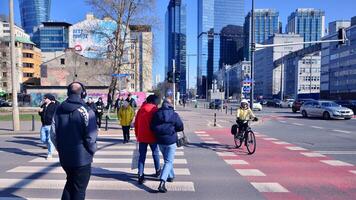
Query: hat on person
x=50, y=97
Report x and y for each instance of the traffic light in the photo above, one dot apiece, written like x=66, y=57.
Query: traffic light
x=177, y=77
x=341, y=36
x=170, y=77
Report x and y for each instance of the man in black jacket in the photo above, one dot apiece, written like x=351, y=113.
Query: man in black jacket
x=47, y=111
x=74, y=134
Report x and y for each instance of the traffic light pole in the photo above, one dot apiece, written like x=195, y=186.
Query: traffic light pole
x=252, y=49
x=174, y=84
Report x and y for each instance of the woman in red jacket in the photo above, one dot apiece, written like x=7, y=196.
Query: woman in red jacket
x=145, y=136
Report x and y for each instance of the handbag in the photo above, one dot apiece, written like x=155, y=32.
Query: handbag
x=182, y=139
x=135, y=157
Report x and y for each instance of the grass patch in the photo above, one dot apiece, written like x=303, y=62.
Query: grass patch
x=23, y=117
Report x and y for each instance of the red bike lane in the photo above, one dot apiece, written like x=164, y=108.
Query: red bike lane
x=281, y=170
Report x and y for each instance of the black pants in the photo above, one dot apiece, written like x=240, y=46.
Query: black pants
x=77, y=182
x=126, y=131
x=99, y=116
x=242, y=128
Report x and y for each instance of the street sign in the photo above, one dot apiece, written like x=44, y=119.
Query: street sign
x=120, y=75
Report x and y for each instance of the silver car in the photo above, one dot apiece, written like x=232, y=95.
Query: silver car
x=326, y=110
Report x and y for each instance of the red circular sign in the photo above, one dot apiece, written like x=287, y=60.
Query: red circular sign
x=78, y=47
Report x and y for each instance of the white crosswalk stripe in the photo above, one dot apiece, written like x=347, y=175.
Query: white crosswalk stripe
x=107, y=160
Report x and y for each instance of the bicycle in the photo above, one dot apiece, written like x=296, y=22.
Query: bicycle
x=248, y=138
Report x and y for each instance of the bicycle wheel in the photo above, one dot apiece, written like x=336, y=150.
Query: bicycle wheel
x=238, y=141
x=251, y=142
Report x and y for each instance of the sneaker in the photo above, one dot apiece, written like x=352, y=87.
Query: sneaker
x=162, y=187
x=158, y=173
x=49, y=156
x=170, y=180
x=141, y=179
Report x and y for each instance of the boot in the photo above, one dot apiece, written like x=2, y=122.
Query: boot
x=162, y=187
x=141, y=179
x=158, y=173
x=170, y=180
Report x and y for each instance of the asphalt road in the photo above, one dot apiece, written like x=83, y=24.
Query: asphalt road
x=296, y=158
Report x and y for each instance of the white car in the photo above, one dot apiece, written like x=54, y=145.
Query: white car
x=256, y=106
x=287, y=103
x=326, y=110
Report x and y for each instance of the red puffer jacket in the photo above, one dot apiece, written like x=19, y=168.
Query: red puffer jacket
x=142, y=123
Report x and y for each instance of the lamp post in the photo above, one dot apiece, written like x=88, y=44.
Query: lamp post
x=189, y=55
x=252, y=50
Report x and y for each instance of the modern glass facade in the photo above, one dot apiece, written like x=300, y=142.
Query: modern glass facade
x=33, y=13
x=307, y=22
x=51, y=36
x=266, y=24
x=213, y=17
x=176, y=41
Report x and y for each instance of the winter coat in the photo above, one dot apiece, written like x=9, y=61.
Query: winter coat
x=47, y=113
x=165, y=124
x=143, y=120
x=244, y=114
x=74, y=132
x=126, y=115
x=132, y=102
x=92, y=106
x=99, y=107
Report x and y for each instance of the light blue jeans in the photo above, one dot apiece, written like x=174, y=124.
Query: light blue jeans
x=168, y=152
x=46, y=138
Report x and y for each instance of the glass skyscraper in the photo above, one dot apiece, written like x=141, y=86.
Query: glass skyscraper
x=308, y=23
x=33, y=13
x=266, y=24
x=176, y=41
x=51, y=36
x=213, y=17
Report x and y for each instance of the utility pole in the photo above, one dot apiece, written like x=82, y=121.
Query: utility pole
x=252, y=49
x=174, y=84
x=310, y=75
x=14, y=72
x=282, y=74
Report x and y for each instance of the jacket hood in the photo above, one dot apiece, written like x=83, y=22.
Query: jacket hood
x=147, y=107
x=166, y=113
x=72, y=103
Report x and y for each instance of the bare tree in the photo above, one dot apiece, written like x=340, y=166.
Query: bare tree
x=123, y=13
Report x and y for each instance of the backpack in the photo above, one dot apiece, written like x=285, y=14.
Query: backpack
x=234, y=129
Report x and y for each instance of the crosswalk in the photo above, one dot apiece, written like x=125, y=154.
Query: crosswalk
x=111, y=171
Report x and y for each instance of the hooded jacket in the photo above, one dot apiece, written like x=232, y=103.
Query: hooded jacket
x=165, y=124
x=143, y=120
x=126, y=115
x=74, y=132
x=47, y=113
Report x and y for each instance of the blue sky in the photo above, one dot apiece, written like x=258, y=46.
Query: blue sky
x=73, y=11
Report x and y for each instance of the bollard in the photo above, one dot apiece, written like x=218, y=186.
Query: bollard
x=231, y=110
x=33, y=122
x=106, y=122
x=204, y=105
x=226, y=110
x=214, y=119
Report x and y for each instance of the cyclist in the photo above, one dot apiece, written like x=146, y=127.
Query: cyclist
x=244, y=113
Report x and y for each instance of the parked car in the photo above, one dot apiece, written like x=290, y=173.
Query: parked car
x=298, y=103
x=4, y=103
x=257, y=106
x=326, y=110
x=287, y=103
x=348, y=104
x=263, y=101
x=215, y=104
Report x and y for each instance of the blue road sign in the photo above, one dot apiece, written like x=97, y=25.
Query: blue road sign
x=120, y=75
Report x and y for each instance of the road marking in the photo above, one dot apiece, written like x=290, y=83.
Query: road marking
x=341, y=131
x=236, y=162
x=281, y=142
x=317, y=127
x=119, y=147
x=338, y=152
x=270, y=139
x=208, y=138
x=198, y=132
x=298, y=124
x=283, y=121
x=107, y=160
x=259, y=135
x=353, y=171
x=203, y=135
x=336, y=163
x=95, y=170
x=269, y=187
x=211, y=142
x=250, y=172
x=25, y=198
x=296, y=148
x=94, y=184
x=313, y=155
x=226, y=153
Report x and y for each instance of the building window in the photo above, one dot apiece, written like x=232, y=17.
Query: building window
x=27, y=55
x=132, y=86
x=62, y=61
x=4, y=84
x=132, y=66
x=132, y=76
x=27, y=75
x=4, y=74
x=4, y=54
x=86, y=63
x=28, y=65
x=3, y=64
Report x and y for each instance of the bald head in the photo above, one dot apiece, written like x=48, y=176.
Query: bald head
x=75, y=88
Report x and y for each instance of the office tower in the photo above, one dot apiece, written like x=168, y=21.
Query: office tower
x=33, y=13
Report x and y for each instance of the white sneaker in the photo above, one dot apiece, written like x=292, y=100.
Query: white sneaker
x=49, y=156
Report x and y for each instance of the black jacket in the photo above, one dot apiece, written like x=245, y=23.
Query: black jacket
x=74, y=132
x=99, y=107
x=92, y=106
x=165, y=124
x=132, y=102
x=47, y=113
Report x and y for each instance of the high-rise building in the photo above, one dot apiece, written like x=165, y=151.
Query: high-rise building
x=308, y=23
x=266, y=24
x=213, y=17
x=51, y=36
x=336, y=25
x=176, y=40
x=33, y=13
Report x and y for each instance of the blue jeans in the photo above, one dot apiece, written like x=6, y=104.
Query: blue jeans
x=143, y=151
x=46, y=138
x=168, y=152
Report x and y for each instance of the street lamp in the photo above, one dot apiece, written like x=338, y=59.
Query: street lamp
x=189, y=55
x=252, y=49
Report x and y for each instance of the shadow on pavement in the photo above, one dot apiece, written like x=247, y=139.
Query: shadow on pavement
x=219, y=148
x=23, y=153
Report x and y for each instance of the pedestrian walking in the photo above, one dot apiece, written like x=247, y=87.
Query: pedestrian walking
x=74, y=134
x=99, y=111
x=118, y=104
x=131, y=101
x=146, y=137
x=91, y=104
x=165, y=124
x=126, y=115
x=46, y=113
